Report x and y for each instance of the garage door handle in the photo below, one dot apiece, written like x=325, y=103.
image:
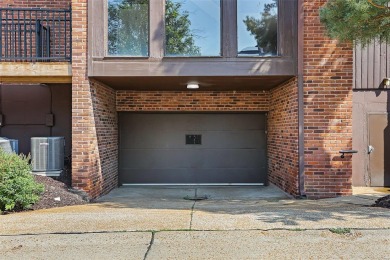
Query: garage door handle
x=370, y=149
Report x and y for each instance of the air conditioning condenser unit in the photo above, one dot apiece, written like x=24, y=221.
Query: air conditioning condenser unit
x=47, y=155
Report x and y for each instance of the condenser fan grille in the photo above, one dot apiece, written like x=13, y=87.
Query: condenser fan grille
x=47, y=153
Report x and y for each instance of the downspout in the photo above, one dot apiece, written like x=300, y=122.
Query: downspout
x=1, y=109
x=300, y=71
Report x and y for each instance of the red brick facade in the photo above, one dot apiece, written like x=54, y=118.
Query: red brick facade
x=327, y=112
x=61, y=4
x=327, y=109
x=94, y=119
x=282, y=137
x=192, y=101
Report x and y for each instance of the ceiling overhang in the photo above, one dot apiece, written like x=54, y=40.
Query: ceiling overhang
x=206, y=83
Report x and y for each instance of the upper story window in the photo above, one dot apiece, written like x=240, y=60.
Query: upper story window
x=257, y=27
x=192, y=28
x=128, y=28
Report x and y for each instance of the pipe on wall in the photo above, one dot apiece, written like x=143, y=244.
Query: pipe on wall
x=300, y=68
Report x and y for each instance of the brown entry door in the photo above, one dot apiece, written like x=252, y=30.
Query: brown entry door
x=379, y=149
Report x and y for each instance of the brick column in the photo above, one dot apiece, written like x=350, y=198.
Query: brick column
x=327, y=108
x=282, y=138
x=94, y=118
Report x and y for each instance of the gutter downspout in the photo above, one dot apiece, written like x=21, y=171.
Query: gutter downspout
x=300, y=61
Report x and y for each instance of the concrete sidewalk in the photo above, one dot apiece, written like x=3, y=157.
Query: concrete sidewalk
x=163, y=223
x=251, y=244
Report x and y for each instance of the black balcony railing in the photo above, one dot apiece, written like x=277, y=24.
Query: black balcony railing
x=35, y=34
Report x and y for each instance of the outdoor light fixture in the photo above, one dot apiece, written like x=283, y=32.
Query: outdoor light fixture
x=192, y=85
x=386, y=81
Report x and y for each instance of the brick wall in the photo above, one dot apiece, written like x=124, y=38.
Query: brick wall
x=94, y=119
x=192, y=101
x=106, y=125
x=36, y=3
x=282, y=138
x=327, y=109
x=26, y=36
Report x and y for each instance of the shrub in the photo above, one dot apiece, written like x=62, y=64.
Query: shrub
x=18, y=189
x=340, y=231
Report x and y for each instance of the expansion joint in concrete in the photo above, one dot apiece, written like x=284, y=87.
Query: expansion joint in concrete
x=192, y=214
x=192, y=208
x=150, y=246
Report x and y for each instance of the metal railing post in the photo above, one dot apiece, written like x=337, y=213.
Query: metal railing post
x=37, y=38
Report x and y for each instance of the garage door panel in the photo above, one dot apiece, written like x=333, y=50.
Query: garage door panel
x=162, y=139
x=175, y=139
x=191, y=176
x=234, y=139
x=186, y=158
x=230, y=122
x=233, y=148
x=248, y=158
x=160, y=158
x=156, y=176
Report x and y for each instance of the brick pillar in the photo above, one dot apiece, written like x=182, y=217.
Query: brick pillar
x=327, y=108
x=94, y=118
x=282, y=138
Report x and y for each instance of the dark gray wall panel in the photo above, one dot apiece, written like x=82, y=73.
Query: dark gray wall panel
x=25, y=107
x=23, y=134
x=62, y=110
x=153, y=148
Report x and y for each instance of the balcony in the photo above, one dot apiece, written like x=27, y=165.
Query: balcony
x=35, y=45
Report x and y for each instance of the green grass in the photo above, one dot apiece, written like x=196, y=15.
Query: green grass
x=340, y=231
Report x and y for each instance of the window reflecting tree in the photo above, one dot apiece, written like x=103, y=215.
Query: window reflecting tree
x=264, y=29
x=179, y=39
x=128, y=27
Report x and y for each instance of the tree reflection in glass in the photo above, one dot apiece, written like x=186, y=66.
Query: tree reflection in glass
x=128, y=27
x=257, y=27
x=192, y=28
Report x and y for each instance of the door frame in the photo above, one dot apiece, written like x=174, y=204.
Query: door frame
x=265, y=113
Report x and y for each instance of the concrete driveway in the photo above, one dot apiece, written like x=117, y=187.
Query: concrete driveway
x=164, y=223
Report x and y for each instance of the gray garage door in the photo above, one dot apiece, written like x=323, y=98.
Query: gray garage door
x=192, y=148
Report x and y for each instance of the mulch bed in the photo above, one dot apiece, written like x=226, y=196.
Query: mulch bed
x=383, y=202
x=57, y=194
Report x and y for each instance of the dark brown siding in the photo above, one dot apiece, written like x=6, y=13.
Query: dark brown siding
x=372, y=65
x=24, y=109
x=158, y=65
x=366, y=103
